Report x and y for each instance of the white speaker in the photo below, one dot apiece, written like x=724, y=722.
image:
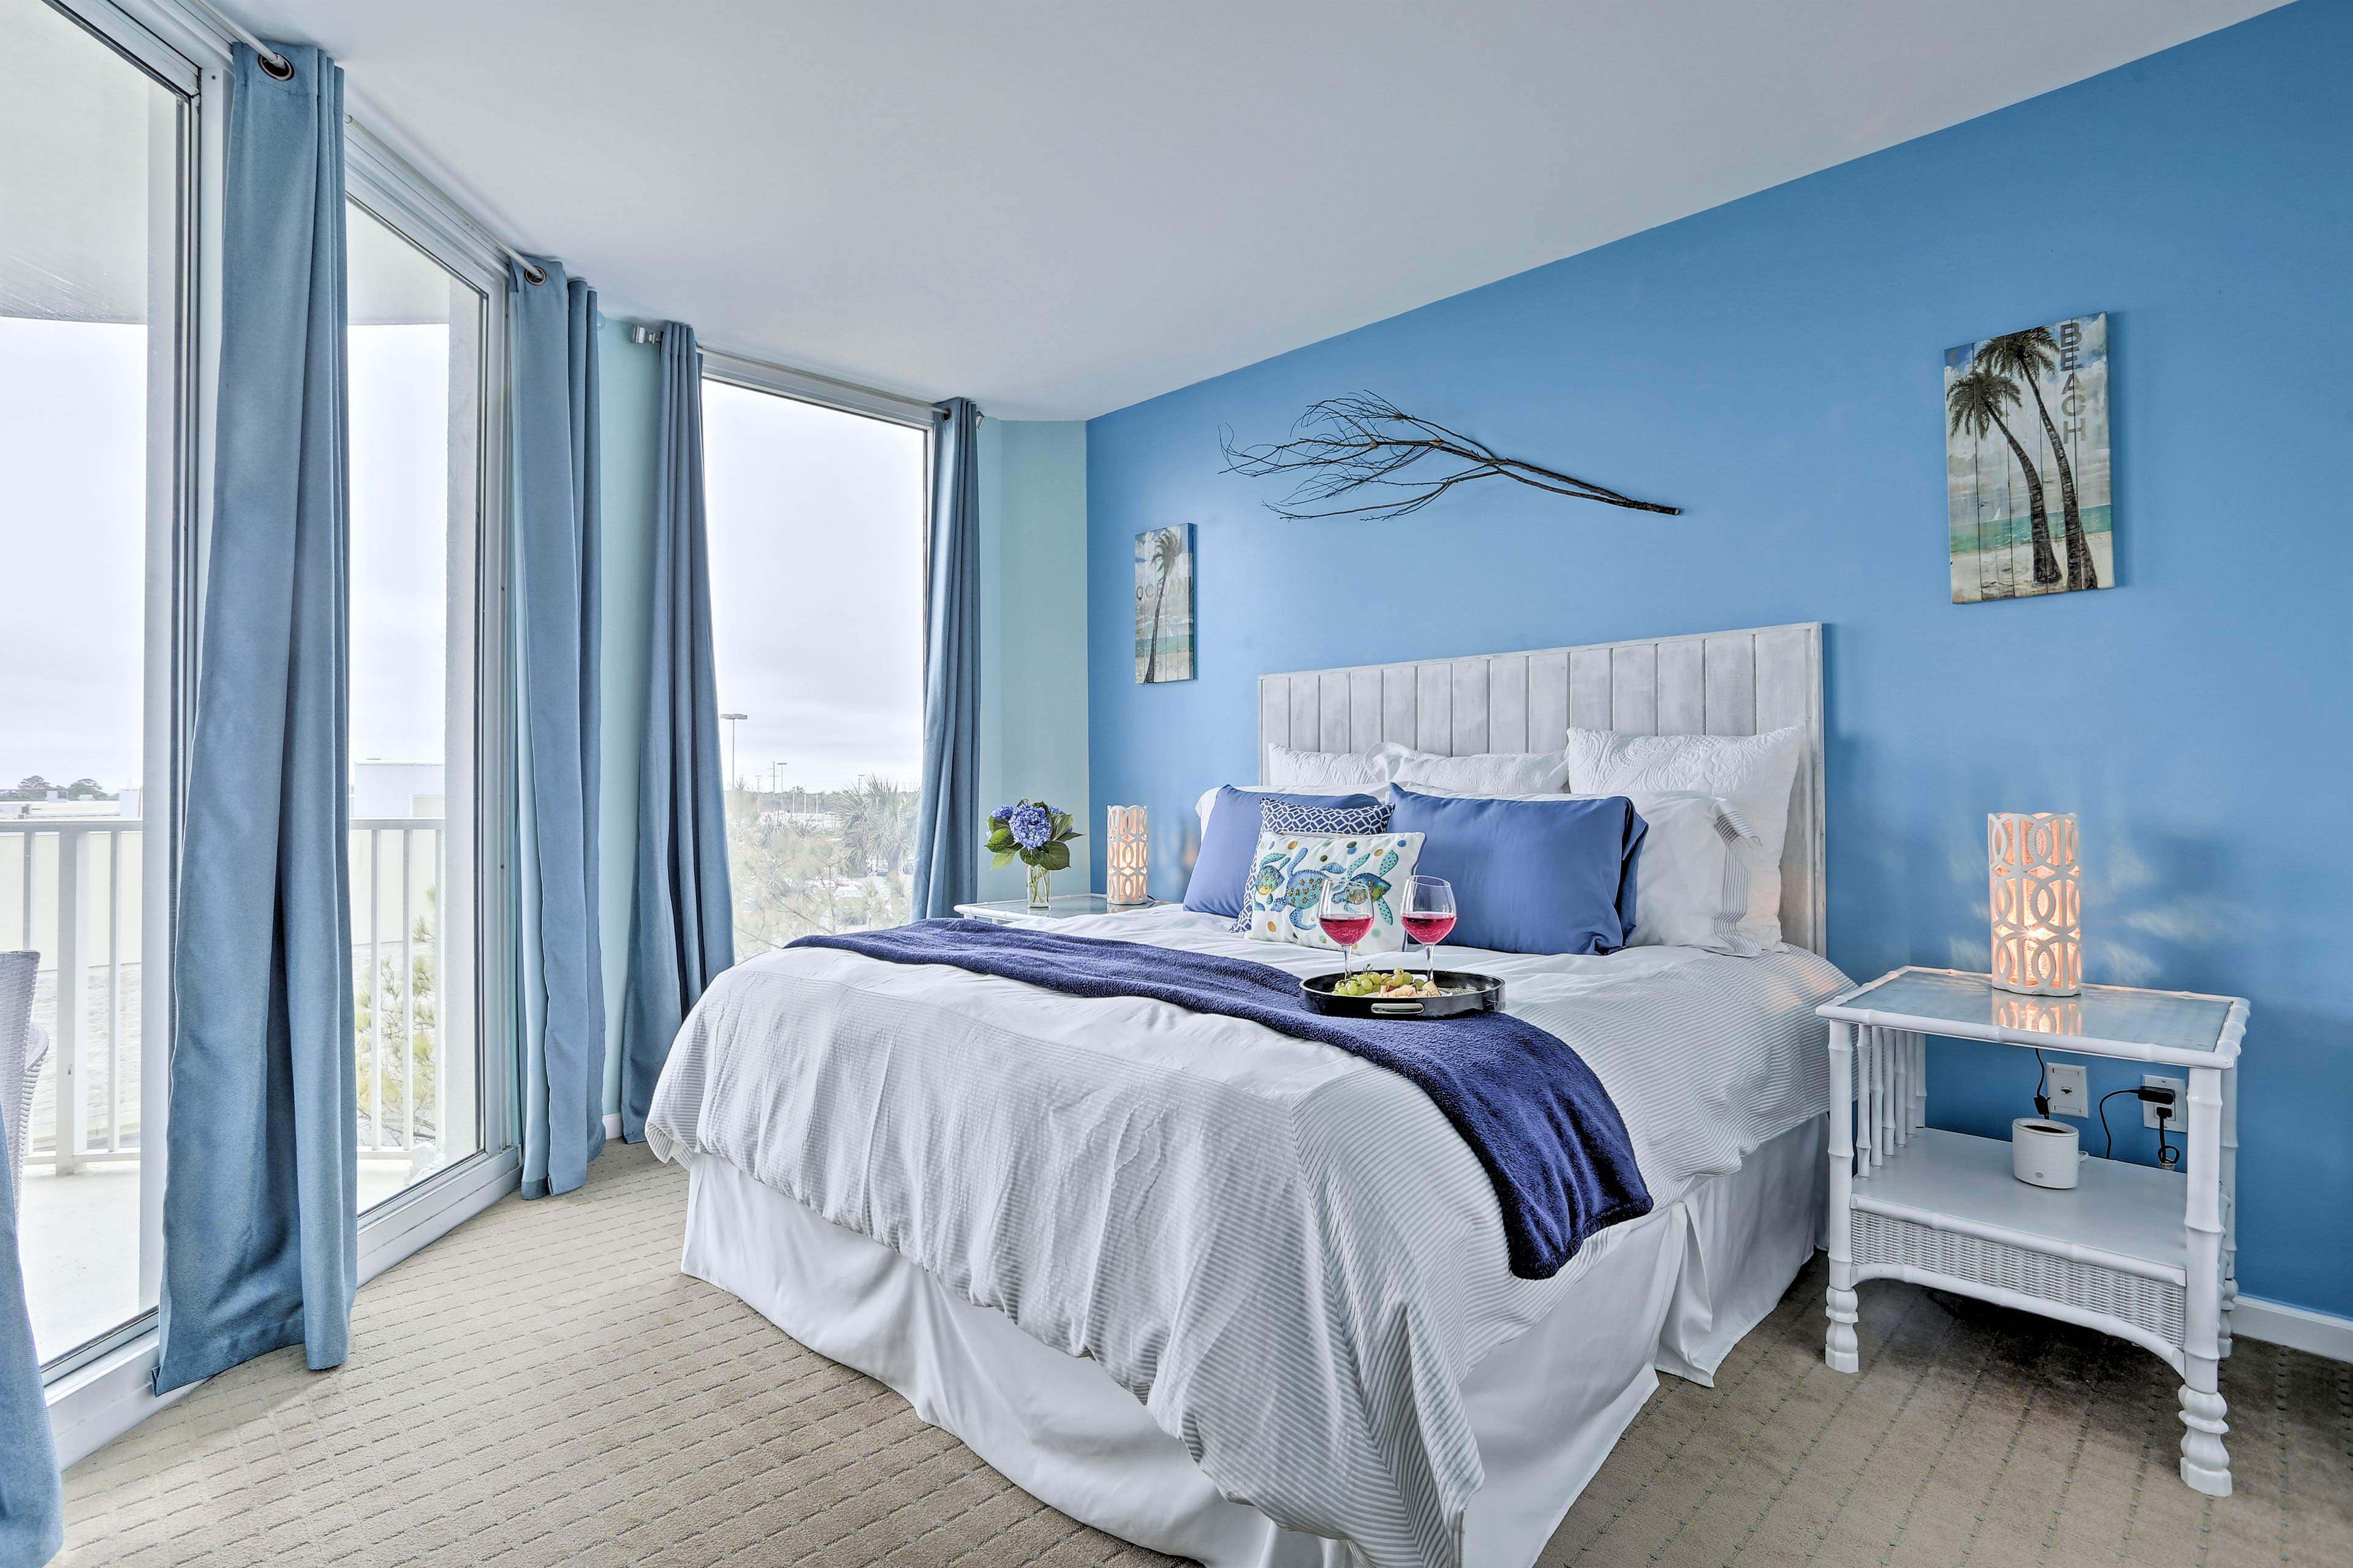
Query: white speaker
x=2045, y=1153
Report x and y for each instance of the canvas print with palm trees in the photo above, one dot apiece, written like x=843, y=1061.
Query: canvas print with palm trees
x=1164, y=604
x=2026, y=462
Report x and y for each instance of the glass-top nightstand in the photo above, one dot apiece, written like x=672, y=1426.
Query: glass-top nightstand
x=2131, y=1250
x=1061, y=907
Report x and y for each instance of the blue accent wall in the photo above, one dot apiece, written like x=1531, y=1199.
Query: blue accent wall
x=1774, y=367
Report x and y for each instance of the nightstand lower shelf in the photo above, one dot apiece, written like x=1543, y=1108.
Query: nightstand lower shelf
x=1945, y=1210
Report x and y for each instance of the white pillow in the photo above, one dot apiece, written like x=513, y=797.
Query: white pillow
x=1286, y=885
x=1334, y=772
x=1692, y=880
x=1486, y=772
x=1752, y=774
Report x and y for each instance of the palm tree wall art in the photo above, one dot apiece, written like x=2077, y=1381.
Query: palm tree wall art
x=1996, y=459
x=1974, y=402
x=1164, y=604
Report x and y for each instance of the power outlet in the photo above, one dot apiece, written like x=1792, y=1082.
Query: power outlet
x=2063, y=1083
x=2180, y=1108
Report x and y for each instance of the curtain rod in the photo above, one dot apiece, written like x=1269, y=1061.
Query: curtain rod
x=282, y=68
x=531, y=269
x=640, y=333
x=273, y=62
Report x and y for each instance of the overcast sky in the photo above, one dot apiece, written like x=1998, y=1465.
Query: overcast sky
x=817, y=534
x=816, y=538
x=72, y=452
x=72, y=422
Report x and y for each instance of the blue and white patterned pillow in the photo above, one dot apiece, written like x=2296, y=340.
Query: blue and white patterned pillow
x=1287, y=816
x=1291, y=871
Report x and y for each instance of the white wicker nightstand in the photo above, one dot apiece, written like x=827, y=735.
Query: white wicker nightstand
x=2133, y=1251
x=1060, y=907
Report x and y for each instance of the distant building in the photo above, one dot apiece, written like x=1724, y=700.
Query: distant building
x=804, y=821
x=382, y=789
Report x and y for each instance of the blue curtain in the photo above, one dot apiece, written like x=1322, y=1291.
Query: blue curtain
x=551, y=325
x=32, y=1503
x=947, y=822
x=682, y=922
x=260, y=1241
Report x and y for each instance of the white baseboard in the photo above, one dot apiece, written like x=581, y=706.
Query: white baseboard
x=2298, y=1328
x=94, y=1405
x=412, y=1221
x=612, y=1126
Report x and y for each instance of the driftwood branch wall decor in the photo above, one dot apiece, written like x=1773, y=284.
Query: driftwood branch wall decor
x=1344, y=448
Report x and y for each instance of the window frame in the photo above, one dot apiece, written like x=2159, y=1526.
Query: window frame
x=175, y=514
x=848, y=397
x=383, y=185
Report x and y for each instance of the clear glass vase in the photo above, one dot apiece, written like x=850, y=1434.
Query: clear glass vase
x=1040, y=893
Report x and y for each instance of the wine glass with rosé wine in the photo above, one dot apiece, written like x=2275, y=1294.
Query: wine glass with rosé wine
x=1428, y=917
x=1345, y=914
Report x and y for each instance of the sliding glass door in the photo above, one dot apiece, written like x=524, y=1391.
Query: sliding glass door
x=94, y=424
x=102, y=426
x=416, y=424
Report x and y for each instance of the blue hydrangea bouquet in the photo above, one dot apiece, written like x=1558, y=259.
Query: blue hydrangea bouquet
x=1038, y=836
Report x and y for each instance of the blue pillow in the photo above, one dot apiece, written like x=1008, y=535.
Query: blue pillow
x=1231, y=838
x=1530, y=876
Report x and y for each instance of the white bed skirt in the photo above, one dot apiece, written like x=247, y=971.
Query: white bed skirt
x=1674, y=1291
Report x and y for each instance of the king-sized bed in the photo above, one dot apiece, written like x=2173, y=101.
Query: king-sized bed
x=1244, y=1297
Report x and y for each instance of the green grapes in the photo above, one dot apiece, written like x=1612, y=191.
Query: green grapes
x=1368, y=982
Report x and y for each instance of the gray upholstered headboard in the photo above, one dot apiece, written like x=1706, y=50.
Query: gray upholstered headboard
x=1712, y=683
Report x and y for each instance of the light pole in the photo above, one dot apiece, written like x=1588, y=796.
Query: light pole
x=731, y=720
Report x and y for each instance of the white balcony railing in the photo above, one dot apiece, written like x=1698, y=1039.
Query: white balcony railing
x=71, y=889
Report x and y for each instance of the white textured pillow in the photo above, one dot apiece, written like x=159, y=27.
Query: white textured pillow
x=1751, y=773
x=1691, y=883
x=1692, y=880
x=1367, y=772
x=1287, y=877
x=1486, y=772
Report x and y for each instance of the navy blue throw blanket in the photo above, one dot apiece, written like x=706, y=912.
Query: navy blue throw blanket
x=1533, y=1114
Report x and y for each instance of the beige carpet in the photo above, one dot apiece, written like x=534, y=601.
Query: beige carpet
x=543, y=1387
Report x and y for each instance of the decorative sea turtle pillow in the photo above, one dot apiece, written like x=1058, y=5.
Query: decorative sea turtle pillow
x=1288, y=876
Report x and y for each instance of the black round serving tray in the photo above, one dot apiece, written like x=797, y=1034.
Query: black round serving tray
x=1466, y=993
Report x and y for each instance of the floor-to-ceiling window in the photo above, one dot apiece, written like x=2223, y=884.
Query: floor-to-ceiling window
x=816, y=519
x=417, y=374
x=94, y=153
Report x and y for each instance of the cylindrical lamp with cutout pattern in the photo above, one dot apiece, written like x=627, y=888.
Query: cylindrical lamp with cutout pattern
x=1128, y=858
x=2038, y=903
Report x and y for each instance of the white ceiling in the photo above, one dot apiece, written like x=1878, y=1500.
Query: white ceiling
x=1059, y=209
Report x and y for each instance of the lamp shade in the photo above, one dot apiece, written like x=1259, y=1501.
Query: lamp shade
x=1129, y=862
x=2037, y=901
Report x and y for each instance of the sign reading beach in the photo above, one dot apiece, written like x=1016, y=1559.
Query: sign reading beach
x=2026, y=462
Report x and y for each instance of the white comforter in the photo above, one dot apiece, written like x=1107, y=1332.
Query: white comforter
x=1287, y=1254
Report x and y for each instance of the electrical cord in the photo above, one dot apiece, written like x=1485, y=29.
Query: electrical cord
x=2107, y=1133
x=2042, y=1085
x=2167, y=1157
